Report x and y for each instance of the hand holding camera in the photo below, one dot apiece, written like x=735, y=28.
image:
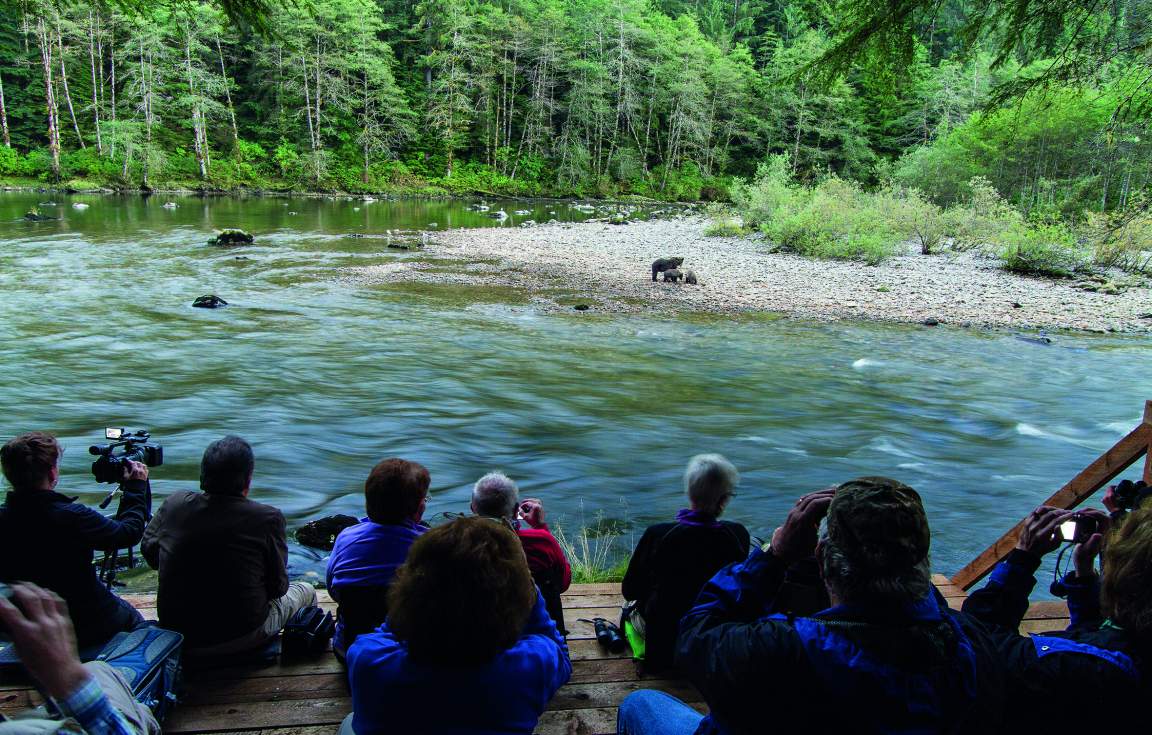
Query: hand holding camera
x=1091, y=527
x=796, y=539
x=1041, y=532
x=532, y=512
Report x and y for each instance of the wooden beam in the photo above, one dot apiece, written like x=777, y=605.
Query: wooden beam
x=1095, y=476
x=1148, y=457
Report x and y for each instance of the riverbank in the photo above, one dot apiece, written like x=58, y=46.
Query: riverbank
x=607, y=268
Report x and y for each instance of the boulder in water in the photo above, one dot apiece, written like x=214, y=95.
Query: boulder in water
x=33, y=215
x=169, y=205
x=931, y=322
x=322, y=532
x=619, y=218
x=80, y=205
x=231, y=238
x=211, y=301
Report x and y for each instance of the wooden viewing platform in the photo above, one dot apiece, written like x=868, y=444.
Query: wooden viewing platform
x=309, y=697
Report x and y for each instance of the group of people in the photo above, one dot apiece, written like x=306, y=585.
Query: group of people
x=833, y=625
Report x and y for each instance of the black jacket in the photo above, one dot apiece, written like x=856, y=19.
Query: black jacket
x=222, y=559
x=48, y=539
x=1088, y=677
x=919, y=668
x=670, y=565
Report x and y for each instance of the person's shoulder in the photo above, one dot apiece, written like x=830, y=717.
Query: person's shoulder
x=374, y=650
x=269, y=512
x=657, y=531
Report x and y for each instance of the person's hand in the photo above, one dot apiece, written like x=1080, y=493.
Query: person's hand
x=796, y=539
x=44, y=637
x=1084, y=553
x=1110, y=499
x=135, y=471
x=532, y=511
x=1041, y=531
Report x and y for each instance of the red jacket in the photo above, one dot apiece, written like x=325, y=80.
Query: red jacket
x=544, y=553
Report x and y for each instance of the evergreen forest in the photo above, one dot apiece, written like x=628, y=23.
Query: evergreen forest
x=667, y=99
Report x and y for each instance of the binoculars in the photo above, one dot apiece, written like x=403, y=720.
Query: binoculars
x=608, y=634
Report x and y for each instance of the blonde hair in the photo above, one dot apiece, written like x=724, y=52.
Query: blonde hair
x=1126, y=584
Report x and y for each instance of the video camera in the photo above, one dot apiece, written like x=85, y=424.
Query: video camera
x=133, y=446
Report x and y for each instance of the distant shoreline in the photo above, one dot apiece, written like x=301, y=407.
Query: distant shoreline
x=606, y=268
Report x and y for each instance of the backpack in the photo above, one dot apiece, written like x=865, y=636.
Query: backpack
x=307, y=632
x=149, y=660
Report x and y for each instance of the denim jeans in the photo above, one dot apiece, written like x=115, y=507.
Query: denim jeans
x=649, y=712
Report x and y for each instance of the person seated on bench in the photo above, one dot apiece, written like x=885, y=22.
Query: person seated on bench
x=49, y=539
x=1074, y=680
x=674, y=560
x=223, y=560
x=496, y=496
x=365, y=556
x=889, y=657
x=468, y=646
x=93, y=694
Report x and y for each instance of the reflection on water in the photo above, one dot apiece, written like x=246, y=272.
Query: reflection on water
x=594, y=414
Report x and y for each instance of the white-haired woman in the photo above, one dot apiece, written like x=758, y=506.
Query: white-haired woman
x=674, y=560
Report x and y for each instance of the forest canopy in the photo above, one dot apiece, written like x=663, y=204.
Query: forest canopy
x=662, y=98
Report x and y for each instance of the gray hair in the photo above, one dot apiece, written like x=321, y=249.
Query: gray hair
x=227, y=466
x=709, y=481
x=495, y=495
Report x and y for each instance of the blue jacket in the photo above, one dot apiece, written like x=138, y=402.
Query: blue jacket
x=391, y=693
x=913, y=669
x=1084, y=678
x=49, y=539
x=366, y=556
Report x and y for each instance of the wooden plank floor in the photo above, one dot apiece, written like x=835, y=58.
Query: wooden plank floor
x=309, y=697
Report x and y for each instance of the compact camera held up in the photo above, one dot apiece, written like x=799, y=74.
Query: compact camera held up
x=126, y=446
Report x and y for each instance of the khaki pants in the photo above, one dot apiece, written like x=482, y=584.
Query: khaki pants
x=119, y=695
x=299, y=596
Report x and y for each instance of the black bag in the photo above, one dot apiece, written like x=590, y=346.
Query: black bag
x=149, y=660
x=308, y=632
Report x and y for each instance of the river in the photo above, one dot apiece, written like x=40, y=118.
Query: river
x=596, y=415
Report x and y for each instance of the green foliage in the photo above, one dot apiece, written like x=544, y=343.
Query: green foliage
x=723, y=222
x=834, y=219
x=10, y=162
x=1121, y=239
x=1042, y=250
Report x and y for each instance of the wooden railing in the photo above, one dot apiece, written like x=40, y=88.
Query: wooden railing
x=1125, y=453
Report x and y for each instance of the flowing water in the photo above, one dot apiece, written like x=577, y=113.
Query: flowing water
x=597, y=415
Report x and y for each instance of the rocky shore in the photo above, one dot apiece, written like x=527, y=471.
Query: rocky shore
x=605, y=268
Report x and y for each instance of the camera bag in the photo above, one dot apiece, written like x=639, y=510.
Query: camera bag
x=149, y=660
x=307, y=632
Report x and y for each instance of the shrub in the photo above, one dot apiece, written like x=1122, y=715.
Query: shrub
x=772, y=188
x=836, y=219
x=1042, y=250
x=983, y=220
x=10, y=162
x=723, y=223
x=1121, y=239
x=912, y=214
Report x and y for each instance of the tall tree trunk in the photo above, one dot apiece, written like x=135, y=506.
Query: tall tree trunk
x=4, y=115
x=67, y=94
x=197, y=120
x=146, y=83
x=95, y=84
x=227, y=92
x=44, y=42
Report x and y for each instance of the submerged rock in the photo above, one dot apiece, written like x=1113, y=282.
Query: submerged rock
x=231, y=238
x=80, y=205
x=581, y=307
x=322, y=532
x=211, y=301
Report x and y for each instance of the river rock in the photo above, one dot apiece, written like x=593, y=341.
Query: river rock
x=33, y=215
x=231, y=238
x=169, y=205
x=618, y=218
x=1147, y=315
x=528, y=223
x=931, y=322
x=523, y=212
x=581, y=307
x=211, y=301
x=322, y=532
x=79, y=205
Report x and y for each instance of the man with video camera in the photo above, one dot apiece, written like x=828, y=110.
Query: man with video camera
x=49, y=539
